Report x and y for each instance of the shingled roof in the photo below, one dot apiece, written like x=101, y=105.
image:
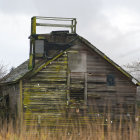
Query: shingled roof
x=16, y=73
x=22, y=69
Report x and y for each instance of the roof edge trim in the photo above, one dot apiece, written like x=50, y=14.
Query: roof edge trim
x=47, y=63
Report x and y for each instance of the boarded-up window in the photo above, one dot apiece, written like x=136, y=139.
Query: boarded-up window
x=39, y=48
x=110, y=80
x=77, y=61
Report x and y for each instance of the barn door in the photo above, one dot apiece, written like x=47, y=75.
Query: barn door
x=77, y=78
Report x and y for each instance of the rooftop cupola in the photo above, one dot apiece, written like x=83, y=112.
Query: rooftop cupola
x=47, y=45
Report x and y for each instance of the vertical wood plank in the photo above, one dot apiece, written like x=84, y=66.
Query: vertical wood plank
x=68, y=87
x=85, y=90
x=21, y=104
x=68, y=82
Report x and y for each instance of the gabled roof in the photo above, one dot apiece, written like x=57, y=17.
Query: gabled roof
x=134, y=80
x=23, y=71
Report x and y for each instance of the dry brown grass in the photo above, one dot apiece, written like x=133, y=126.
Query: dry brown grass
x=99, y=129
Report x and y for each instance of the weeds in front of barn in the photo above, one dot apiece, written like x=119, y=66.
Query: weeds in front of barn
x=100, y=127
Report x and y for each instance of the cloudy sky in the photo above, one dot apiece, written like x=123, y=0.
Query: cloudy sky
x=113, y=26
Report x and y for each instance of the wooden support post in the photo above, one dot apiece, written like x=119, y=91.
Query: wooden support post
x=72, y=27
x=33, y=25
x=75, y=22
x=30, y=65
x=68, y=82
x=21, y=105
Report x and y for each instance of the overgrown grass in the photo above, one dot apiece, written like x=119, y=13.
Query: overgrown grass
x=99, y=128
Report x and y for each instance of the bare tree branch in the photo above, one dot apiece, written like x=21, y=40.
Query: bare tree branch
x=3, y=70
x=133, y=69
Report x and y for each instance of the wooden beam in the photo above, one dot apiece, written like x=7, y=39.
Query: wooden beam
x=54, y=25
x=33, y=26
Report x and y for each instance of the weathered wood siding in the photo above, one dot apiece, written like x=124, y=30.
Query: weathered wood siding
x=96, y=88
x=45, y=94
x=73, y=83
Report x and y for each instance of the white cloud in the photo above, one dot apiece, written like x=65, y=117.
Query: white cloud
x=124, y=19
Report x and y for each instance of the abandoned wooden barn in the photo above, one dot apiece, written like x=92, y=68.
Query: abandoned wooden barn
x=65, y=71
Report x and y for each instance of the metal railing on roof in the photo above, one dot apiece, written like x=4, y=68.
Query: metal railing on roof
x=34, y=23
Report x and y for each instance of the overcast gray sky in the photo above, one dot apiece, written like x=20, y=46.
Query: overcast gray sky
x=113, y=26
